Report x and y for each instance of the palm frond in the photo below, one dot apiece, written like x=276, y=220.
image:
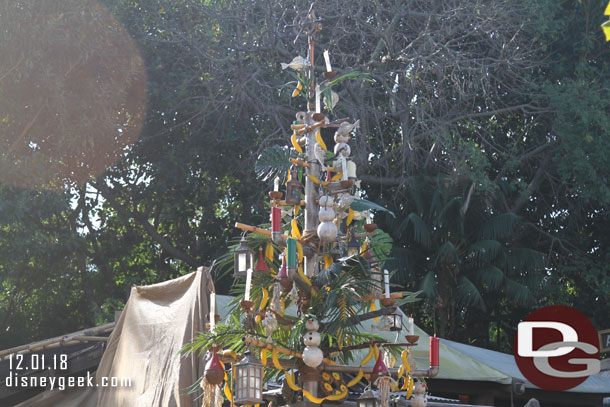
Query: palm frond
x=421, y=233
x=499, y=227
x=484, y=251
x=361, y=205
x=518, y=293
x=447, y=253
x=468, y=294
x=521, y=259
x=272, y=162
x=429, y=285
x=491, y=276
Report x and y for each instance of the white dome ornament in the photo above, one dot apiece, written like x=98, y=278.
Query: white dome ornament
x=327, y=230
x=312, y=355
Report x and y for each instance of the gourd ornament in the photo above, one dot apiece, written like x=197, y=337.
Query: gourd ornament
x=327, y=230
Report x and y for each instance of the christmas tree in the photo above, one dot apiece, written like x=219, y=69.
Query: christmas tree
x=316, y=275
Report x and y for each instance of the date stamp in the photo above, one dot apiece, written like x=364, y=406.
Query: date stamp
x=23, y=362
x=52, y=372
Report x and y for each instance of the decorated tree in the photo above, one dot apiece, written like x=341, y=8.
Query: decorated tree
x=313, y=276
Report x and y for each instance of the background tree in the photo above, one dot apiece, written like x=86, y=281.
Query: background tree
x=506, y=98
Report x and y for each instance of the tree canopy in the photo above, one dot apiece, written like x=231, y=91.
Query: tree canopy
x=130, y=131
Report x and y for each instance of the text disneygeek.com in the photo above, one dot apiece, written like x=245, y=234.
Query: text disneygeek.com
x=61, y=382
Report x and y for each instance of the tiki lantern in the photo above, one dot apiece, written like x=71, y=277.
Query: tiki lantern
x=353, y=247
x=243, y=259
x=293, y=189
x=248, y=381
x=367, y=399
x=396, y=318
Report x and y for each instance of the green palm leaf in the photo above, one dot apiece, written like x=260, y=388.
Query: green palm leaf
x=468, y=294
x=361, y=205
x=499, y=227
x=272, y=162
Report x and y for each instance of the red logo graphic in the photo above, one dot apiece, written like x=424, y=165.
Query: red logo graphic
x=556, y=348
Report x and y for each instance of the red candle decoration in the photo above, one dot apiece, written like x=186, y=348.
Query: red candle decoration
x=434, y=343
x=276, y=219
x=261, y=265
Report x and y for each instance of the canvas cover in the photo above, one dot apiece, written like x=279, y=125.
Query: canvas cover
x=156, y=323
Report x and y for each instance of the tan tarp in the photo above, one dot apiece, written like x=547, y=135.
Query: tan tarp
x=157, y=322
x=145, y=347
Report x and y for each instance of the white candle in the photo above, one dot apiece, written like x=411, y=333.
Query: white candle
x=212, y=311
x=368, y=217
x=386, y=277
x=327, y=60
x=276, y=184
x=343, y=167
x=248, y=284
x=317, y=98
x=411, y=326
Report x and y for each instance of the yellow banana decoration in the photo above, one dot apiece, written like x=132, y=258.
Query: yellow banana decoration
x=317, y=400
x=295, y=143
x=276, y=362
x=374, y=308
x=320, y=140
x=297, y=91
x=314, y=179
x=337, y=176
x=328, y=261
x=356, y=379
x=265, y=299
x=303, y=276
x=409, y=387
x=227, y=389
x=350, y=217
x=299, y=251
x=269, y=252
x=296, y=233
x=296, y=209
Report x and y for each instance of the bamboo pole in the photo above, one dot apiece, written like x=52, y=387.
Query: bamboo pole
x=254, y=229
x=58, y=341
x=392, y=295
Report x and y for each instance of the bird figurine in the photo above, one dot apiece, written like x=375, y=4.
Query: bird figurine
x=384, y=324
x=270, y=324
x=345, y=129
x=298, y=63
x=320, y=154
x=343, y=149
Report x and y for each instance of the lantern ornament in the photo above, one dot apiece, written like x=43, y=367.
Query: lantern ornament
x=367, y=399
x=293, y=189
x=243, y=259
x=353, y=247
x=248, y=381
x=396, y=318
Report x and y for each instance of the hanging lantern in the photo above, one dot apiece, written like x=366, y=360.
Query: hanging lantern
x=248, y=381
x=243, y=259
x=396, y=318
x=293, y=189
x=367, y=399
x=353, y=247
x=214, y=370
x=261, y=265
